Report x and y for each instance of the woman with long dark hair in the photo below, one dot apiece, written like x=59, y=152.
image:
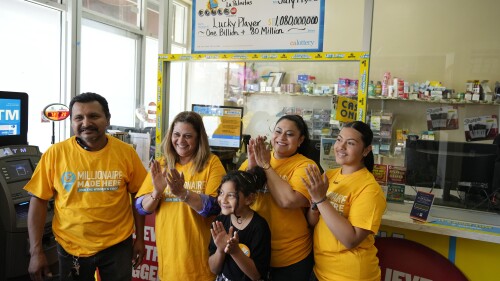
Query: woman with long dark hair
x=284, y=200
x=347, y=205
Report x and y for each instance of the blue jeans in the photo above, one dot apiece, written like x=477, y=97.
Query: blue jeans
x=114, y=264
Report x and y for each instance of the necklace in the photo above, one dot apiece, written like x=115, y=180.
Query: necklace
x=241, y=219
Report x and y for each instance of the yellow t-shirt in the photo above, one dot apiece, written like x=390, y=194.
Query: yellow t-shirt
x=359, y=198
x=182, y=235
x=291, y=239
x=91, y=191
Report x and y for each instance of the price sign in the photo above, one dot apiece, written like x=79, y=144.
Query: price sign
x=422, y=206
x=56, y=112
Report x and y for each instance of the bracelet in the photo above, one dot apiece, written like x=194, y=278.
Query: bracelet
x=266, y=166
x=155, y=198
x=315, y=204
x=185, y=197
x=140, y=209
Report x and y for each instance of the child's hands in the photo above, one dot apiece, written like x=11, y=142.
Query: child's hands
x=220, y=235
x=233, y=244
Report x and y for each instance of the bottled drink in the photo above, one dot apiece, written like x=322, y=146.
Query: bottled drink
x=371, y=89
x=378, y=88
x=385, y=84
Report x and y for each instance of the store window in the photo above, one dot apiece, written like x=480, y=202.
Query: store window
x=109, y=67
x=151, y=82
x=124, y=11
x=180, y=24
x=147, y=113
x=179, y=45
x=180, y=42
x=152, y=26
x=31, y=61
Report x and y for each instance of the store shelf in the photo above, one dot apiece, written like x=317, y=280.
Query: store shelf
x=247, y=65
x=443, y=101
x=299, y=94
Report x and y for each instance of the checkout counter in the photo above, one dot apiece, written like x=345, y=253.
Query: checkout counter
x=464, y=222
x=468, y=239
x=17, y=163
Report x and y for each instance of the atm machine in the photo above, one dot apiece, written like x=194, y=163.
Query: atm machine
x=17, y=163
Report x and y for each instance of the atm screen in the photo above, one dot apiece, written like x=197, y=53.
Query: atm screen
x=18, y=169
x=13, y=118
x=10, y=117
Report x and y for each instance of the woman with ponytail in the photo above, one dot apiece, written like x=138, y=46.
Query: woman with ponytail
x=284, y=200
x=347, y=205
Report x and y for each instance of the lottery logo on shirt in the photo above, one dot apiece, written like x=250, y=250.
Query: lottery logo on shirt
x=67, y=180
x=244, y=249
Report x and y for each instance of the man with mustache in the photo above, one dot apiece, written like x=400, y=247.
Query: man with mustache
x=91, y=178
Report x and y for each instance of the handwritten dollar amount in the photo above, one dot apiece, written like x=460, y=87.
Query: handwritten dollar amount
x=293, y=20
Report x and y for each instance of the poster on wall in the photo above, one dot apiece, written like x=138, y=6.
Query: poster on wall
x=345, y=108
x=442, y=118
x=257, y=26
x=148, y=270
x=327, y=154
x=396, y=174
x=380, y=173
x=481, y=128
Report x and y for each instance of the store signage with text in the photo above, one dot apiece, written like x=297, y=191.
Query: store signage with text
x=346, y=109
x=148, y=270
x=257, y=26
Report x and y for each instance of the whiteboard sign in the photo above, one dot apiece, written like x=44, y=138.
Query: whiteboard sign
x=257, y=26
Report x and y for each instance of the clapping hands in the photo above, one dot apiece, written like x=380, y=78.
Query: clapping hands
x=316, y=183
x=225, y=242
x=158, y=176
x=258, y=152
x=162, y=177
